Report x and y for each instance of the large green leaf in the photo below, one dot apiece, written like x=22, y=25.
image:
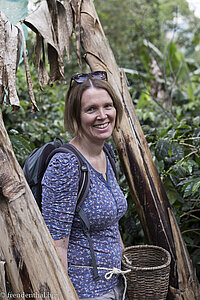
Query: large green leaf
x=171, y=191
x=22, y=146
x=196, y=187
x=162, y=148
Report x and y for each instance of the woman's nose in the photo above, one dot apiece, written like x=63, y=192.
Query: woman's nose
x=102, y=114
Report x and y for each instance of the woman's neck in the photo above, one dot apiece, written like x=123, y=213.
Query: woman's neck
x=88, y=148
x=93, y=152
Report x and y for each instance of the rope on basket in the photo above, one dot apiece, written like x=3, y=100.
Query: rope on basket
x=116, y=271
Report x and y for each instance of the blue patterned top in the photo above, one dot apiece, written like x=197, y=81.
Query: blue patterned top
x=104, y=205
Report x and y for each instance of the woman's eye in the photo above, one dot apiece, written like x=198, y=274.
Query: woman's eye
x=109, y=105
x=90, y=109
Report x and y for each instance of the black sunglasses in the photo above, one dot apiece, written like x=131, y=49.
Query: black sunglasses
x=80, y=78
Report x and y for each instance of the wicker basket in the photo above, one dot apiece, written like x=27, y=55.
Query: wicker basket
x=149, y=276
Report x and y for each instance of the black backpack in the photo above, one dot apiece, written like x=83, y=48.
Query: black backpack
x=36, y=164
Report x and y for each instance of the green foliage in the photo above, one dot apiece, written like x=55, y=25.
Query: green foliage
x=22, y=145
x=171, y=126
x=126, y=24
x=175, y=150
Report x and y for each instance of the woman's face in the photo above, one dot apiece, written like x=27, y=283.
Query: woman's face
x=97, y=115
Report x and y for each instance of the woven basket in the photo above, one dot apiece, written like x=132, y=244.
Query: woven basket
x=149, y=276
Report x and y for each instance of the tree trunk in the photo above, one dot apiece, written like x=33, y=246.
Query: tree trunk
x=156, y=215
x=27, y=253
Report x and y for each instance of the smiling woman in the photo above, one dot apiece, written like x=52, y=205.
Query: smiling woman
x=92, y=111
x=97, y=115
x=73, y=102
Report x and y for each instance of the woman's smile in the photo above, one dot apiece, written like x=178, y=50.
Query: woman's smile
x=102, y=126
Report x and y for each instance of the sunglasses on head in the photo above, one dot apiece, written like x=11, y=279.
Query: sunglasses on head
x=80, y=78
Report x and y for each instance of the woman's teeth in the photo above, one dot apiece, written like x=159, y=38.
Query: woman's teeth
x=102, y=125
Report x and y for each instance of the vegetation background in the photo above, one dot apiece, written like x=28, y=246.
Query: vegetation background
x=157, y=43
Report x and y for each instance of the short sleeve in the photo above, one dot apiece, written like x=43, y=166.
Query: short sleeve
x=59, y=194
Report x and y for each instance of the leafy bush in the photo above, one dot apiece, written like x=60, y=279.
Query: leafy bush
x=176, y=153
x=175, y=148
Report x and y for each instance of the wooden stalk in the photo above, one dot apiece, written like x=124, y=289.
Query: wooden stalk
x=31, y=261
x=156, y=215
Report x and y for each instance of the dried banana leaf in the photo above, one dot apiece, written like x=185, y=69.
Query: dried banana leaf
x=54, y=25
x=11, y=59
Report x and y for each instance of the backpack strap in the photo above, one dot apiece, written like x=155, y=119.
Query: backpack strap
x=84, y=179
x=86, y=229
x=84, y=183
x=111, y=155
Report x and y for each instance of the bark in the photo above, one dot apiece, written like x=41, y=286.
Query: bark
x=156, y=215
x=2, y=53
x=26, y=247
x=3, y=292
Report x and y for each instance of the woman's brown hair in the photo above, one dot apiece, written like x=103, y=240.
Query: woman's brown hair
x=72, y=121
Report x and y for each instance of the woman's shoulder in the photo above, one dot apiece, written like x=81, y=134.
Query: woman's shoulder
x=65, y=157
x=63, y=162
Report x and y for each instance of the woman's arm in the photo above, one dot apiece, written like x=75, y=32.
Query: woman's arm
x=61, y=247
x=121, y=241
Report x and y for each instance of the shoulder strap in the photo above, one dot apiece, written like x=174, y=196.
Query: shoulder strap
x=84, y=179
x=110, y=153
